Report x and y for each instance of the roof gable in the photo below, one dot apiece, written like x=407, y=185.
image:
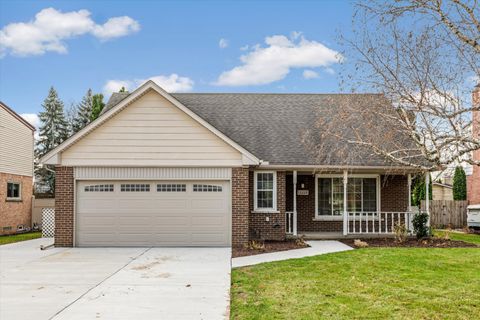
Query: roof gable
x=53, y=157
x=17, y=116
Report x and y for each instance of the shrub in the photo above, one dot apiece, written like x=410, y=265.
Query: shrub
x=401, y=232
x=255, y=245
x=420, y=225
x=359, y=243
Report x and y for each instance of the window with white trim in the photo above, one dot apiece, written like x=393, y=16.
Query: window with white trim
x=265, y=185
x=206, y=188
x=99, y=188
x=169, y=187
x=14, y=191
x=362, y=195
x=135, y=187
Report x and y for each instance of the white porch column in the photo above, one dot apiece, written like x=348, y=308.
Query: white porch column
x=409, y=186
x=294, y=202
x=427, y=195
x=345, y=213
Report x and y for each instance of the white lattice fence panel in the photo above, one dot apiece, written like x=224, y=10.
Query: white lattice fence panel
x=48, y=222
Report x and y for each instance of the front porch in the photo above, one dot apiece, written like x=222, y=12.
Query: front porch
x=338, y=205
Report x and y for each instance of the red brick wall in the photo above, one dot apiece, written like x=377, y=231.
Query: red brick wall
x=394, y=197
x=15, y=213
x=394, y=193
x=274, y=229
x=64, y=199
x=240, y=206
x=474, y=181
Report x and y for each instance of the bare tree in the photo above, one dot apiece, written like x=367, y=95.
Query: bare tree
x=424, y=57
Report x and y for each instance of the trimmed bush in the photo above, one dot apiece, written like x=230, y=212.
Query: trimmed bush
x=420, y=225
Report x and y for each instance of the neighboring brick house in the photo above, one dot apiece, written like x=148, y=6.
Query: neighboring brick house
x=473, y=181
x=160, y=169
x=16, y=171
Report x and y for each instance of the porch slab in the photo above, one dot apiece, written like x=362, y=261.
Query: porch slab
x=340, y=235
x=316, y=248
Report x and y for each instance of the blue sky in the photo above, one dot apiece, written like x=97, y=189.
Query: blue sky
x=288, y=46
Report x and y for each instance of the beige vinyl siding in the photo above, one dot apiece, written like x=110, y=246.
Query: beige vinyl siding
x=151, y=132
x=16, y=145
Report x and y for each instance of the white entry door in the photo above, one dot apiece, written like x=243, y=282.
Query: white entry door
x=153, y=213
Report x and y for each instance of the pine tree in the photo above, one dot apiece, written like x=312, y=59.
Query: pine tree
x=84, y=112
x=97, y=106
x=459, y=184
x=418, y=192
x=70, y=116
x=53, y=131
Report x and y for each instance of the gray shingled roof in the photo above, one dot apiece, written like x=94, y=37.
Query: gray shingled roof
x=273, y=126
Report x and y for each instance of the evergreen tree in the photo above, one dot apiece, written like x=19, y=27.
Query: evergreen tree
x=53, y=131
x=97, y=106
x=70, y=115
x=84, y=112
x=418, y=192
x=459, y=184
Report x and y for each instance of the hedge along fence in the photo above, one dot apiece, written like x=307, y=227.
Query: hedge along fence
x=447, y=213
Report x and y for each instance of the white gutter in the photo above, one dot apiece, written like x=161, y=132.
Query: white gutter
x=330, y=167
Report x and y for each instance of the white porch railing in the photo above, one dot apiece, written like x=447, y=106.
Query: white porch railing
x=289, y=222
x=378, y=222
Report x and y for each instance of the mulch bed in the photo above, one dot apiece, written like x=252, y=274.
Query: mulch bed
x=269, y=246
x=412, y=243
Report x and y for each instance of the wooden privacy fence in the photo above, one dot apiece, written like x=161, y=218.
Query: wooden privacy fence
x=447, y=213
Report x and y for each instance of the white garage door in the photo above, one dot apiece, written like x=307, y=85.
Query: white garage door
x=153, y=213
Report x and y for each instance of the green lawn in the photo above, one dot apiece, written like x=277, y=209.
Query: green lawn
x=19, y=237
x=467, y=237
x=373, y=283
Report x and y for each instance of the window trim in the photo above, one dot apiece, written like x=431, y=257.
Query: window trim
x=19, y=198
x=274, y=202
x=340, y=175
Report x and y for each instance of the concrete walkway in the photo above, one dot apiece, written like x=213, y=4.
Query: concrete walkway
x=316, y=248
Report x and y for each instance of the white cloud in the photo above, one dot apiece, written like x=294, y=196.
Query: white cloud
x=171, y=83
x=116, y=27
x=31, y=118
x=223, y=43
x=330, y=71
x=310, y=74
x=50, y=28
x=267, y=64
x=116, y=85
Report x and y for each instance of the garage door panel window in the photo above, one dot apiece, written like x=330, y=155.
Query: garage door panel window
x=206, y=188
x=171, y=187
x=135, y=187
x=99, y=188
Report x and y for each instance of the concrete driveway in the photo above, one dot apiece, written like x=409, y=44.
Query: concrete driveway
x=113, y=283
